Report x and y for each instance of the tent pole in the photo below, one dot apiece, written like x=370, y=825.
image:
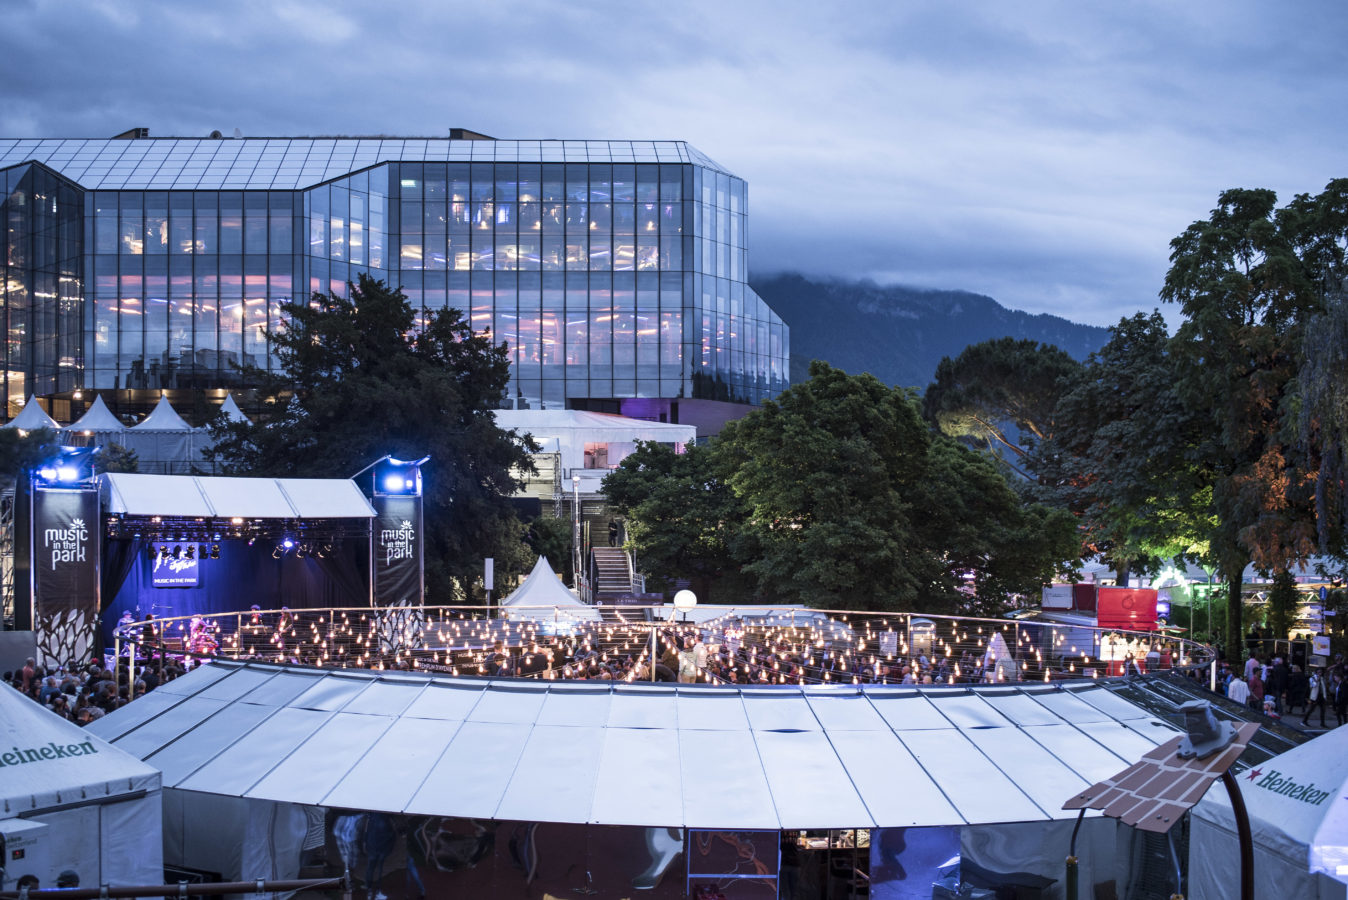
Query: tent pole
x=1243, y=832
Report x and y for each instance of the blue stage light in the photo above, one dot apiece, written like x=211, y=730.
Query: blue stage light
x=47, y=473
x=394, y=482
x=288, y=543
x=67, y=474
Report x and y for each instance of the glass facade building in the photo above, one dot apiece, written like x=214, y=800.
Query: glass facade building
x=615, y=270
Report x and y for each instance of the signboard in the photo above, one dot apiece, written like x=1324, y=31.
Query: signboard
x=65, y=548
x=1129, y=609
x=168, y=572
x=1057, y=596
x=889, y=643
x=1320, y=645
x=398, y=537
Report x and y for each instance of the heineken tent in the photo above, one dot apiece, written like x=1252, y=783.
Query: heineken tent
x=81, y=802
x=1298, y=806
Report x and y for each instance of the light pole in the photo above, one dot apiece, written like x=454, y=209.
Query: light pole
x=575, y=529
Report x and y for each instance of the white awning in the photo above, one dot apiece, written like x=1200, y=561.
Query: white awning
x=200, y=496
x=634, y=754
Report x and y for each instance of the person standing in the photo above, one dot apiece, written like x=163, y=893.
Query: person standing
x=1316, y=689
x=1256, y=686
x=613, y=532
x=1341, y=698
x=1238, y=691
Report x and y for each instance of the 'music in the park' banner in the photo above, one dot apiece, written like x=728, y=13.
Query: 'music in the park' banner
x=65, y=542
x=397, y=551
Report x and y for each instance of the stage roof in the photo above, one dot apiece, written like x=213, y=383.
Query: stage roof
x=635, y=754
x=200, y=496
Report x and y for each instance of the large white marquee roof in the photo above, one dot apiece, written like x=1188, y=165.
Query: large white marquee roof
x=634, y=754
x=200, y=496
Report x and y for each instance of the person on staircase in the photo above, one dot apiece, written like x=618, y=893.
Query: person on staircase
x=613, y=532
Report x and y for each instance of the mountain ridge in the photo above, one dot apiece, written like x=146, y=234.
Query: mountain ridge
x=899, y=334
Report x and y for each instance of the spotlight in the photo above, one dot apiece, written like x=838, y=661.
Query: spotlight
x=177, y=551
x=164, y=551
x=287, y=542
x=252, y=541
x=47, y=473
x=215, y=551
x=191, y=551
x=391, y=483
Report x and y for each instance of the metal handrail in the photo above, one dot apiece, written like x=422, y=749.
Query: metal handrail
x=451, y=637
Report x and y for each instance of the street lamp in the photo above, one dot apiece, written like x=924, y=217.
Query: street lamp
x=575, y=529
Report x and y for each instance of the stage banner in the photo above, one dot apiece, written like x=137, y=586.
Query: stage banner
x=398, y=557
x=65, y=553
x=1129, y=609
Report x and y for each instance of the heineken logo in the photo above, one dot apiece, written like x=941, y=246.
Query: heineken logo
x=18, y=756
x=1278, y=783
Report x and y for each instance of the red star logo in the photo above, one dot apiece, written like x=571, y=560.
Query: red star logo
x=1255, y=774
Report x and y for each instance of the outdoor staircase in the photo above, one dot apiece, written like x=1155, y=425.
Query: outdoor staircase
x=612, y=572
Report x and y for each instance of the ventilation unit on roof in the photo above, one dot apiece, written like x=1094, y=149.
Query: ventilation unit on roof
x=464, y=134
x=132, y=134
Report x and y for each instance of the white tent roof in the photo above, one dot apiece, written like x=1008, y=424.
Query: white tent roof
x=230, y=410
x=542, y=592
x=222, y=497
x=32, y=417
x=634, y=754
x=97, y=419
x=1298, y=805
x=163, y=418
x=46, y=761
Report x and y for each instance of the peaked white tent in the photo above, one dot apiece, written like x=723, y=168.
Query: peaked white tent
x=100, y=805
x=1298, y=806
x=542, y=596
x=32, y=418
x=97, y=420
x=164, y=442
x=230, y=410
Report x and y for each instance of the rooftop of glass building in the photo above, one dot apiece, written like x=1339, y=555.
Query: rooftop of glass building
x=294, y=163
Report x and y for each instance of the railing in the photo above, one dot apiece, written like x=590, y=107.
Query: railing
x=760, y=645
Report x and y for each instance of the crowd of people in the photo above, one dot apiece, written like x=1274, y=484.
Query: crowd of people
x=1270, y=685
x=85, y=693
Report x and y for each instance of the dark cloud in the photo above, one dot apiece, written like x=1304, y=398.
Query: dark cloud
x=1043, y=153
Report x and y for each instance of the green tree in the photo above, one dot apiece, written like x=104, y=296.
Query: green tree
x=851, y=502
x=681, y=518
x=357, y=380
x=1001, y=394
x=1122, y=458
x=1247, y=279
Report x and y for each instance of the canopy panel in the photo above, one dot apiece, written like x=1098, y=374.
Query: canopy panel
x=223, y=497
x=632, y=754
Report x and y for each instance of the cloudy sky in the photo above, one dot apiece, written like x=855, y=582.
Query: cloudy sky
x=1042, y=153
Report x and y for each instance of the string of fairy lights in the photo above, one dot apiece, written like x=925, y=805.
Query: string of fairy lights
x=784, y=646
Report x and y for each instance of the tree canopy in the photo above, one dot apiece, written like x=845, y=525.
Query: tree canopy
x=1001, y=394
x=358, y=379
x=837, y=494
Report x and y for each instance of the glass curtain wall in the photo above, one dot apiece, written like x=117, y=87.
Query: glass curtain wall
x=186, y=284
x=593, y=276
x=40, y=282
